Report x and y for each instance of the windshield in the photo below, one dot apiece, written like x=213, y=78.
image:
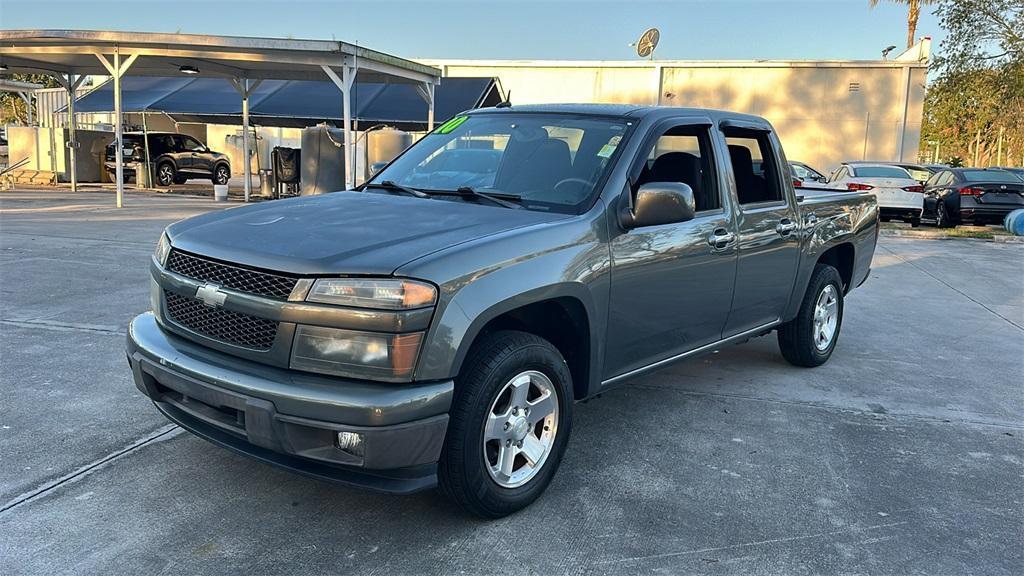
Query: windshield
x=990, y=176
x=545, y=161
x=881, y=172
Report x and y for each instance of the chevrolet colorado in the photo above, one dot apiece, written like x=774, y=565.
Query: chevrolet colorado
x=436, y=325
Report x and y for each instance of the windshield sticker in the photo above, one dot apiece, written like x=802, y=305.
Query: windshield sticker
x=608, y=149
x=452, y=124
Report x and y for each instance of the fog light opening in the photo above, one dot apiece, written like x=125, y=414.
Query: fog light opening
x=351, y=443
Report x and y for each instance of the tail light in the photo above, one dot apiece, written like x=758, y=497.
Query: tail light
x=969, y=191
x=858, y=186
x=797, y=183
x=914, y=188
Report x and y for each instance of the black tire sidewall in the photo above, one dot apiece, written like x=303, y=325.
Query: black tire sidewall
x=159, y=175
x=475, y=393
x=216, y=179
x=824, y=276
x=796, y=337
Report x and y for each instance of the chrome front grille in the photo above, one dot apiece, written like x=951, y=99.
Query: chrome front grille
x=275, y=286
x=220, y=324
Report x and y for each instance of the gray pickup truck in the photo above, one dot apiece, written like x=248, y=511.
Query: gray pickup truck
x=437, y=325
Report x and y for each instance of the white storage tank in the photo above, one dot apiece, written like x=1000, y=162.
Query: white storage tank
x=384, y=145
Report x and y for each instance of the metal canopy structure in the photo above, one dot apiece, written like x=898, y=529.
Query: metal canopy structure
x=71, y=55
x=290, y=103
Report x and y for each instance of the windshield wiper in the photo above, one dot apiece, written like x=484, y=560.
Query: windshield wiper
x=466, y=191
x=392, y=185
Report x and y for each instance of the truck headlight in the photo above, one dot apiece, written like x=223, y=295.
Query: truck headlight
x=382, y=293
x=163, y=249
x=369, y=355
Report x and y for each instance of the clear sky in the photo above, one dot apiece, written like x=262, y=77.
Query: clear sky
x=511, y=29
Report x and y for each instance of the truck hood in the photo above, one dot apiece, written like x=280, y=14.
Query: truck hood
x=344, y=232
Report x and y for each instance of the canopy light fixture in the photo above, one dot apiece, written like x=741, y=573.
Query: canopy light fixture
x=188, y=70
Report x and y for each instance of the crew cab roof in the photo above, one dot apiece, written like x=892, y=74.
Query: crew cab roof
x=622, y=110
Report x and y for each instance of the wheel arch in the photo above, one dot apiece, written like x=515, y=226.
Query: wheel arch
x=561, y=314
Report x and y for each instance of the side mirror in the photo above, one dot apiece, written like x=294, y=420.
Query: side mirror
x=660, y=203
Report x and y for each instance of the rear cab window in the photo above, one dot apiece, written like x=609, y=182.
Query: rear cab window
x=754, y=166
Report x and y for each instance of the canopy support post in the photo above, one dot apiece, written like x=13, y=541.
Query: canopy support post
x=426, y=91
x=245, y=88
x=117, y=69
x=71, y=82
x=27, y=97
x=344, y=83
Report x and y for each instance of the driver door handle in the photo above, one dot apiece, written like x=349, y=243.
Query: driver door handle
x=721, y=238
x=785, y=227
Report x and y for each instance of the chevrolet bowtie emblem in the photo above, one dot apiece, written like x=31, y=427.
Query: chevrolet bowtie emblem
x=211, y=295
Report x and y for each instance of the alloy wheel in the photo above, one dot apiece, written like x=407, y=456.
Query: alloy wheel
x=520, y=429
x=165, y=175
x=826, y=317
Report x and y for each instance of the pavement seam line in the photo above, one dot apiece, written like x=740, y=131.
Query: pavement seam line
x=819, y=406
x=61, y=326
x=48, y=487
x=848, y=530
x=110, y=240
x=953, y=288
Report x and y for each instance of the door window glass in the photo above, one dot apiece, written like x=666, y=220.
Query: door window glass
x=191, y=144
x=683, y=154
x=753, y=165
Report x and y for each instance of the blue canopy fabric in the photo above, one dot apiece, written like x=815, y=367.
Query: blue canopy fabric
x=292, y=102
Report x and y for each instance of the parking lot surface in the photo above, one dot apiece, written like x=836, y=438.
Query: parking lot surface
x=902, y=455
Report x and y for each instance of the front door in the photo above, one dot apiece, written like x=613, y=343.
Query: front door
x=196, y=157
x=671, y=285
x=769, y=244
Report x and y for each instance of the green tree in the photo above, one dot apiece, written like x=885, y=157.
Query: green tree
x=913, y=14
x=12, y=107
x=974, y=107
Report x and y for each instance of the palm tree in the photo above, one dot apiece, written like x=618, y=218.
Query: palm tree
x=913, y=13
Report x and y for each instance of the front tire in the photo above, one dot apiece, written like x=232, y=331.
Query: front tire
x=509, y=424
x=221, y=174
x=809, y=339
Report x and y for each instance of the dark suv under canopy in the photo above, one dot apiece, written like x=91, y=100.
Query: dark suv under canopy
x=175, y=158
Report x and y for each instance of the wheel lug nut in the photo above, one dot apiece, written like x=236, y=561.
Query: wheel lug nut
x=508, y=442
x=507, y=425
x=519, y=444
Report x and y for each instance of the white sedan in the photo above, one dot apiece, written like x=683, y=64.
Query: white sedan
x=899, y=195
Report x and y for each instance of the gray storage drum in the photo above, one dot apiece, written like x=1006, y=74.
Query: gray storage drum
x=323, y=160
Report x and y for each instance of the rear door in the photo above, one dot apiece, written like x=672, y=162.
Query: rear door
x=671, y=285
x=769, y=245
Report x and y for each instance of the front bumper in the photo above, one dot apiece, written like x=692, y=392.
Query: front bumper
x=291, y=419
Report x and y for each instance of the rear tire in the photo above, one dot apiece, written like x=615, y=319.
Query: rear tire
x=809, y=339
x=915, y=222
x=487, y=421
x=941, y=215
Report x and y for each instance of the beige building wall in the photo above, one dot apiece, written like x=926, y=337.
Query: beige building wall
x=825, y=112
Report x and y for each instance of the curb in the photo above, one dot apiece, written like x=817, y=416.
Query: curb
x=998, y=238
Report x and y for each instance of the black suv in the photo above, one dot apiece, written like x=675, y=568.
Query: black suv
x=176, y=158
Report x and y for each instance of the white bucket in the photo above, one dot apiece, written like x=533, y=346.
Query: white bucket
x=220, y=192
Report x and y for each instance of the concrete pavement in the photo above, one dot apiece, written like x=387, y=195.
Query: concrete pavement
x=902, y=455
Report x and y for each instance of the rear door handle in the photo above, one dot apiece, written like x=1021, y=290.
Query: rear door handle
x=721, y=238
x=785, y=227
